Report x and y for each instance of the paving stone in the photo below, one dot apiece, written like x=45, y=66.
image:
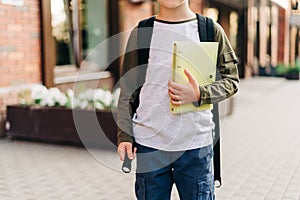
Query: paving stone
x=256, y=197
x=294, y=194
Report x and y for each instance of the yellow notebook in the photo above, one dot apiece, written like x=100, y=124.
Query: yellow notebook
x=200, y=58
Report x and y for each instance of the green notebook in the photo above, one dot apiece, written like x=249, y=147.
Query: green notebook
x=200, y=58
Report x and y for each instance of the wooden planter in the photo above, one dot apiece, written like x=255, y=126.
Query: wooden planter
x=62, y=125
x=292, y=76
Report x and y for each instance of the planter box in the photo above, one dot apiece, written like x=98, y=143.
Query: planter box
x=62, y=125
x=292, y=76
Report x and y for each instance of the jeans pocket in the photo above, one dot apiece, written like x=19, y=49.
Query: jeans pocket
x=206, y=188
x=140, y=188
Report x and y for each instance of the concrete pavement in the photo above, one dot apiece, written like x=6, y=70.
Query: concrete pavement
x=261, y=142
x=260, y=156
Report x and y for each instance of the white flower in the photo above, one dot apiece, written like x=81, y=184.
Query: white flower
x=91, y=98
x=99, y=105
x=103, y=96
x=108, y=98
x=71, y=101
x=57, y=97
x=83, y=104
x=116, y=96
x=23, y=102
x=62, y=99
x=75, y=102
x=47, y=102
x=39, y=92
x=54, y=93
x=87, y=95
x=98, y=95
x=70, y=93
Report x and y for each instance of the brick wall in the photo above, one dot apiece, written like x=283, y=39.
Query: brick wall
x=20, y=51
x=20, y=57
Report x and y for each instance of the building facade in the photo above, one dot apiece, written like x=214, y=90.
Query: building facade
x=263, y=33
x=48, y=41
x=20, y=50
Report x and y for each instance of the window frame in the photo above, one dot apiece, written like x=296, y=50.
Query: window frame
x=48, y=55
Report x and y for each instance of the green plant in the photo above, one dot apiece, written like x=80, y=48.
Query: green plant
x=294, y=69
x=297, y=63
x=281, y=69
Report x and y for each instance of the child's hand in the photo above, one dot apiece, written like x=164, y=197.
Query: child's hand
x=126, y=147
x=183, y=94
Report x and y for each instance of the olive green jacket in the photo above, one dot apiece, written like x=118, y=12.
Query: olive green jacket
x=133, y=77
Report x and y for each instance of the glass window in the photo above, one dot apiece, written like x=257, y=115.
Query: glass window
x=78, y=29
x=94, y=24
x=61, y=30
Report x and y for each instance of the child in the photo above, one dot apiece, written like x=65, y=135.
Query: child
x=171, y=148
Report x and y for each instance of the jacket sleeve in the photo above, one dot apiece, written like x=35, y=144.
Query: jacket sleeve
x=227, y=83
x=128, y=84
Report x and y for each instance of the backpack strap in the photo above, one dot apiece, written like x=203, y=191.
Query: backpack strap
x=217, y=147
x=206, y=29
x=144, y=36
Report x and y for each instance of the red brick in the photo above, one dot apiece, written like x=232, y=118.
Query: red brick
x=16, y=56
x=3, y=55
x=3, y=13
x=15, y=27
x=8, y=20
x=31, y=68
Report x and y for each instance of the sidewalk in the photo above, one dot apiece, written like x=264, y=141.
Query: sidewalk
x=260, y=156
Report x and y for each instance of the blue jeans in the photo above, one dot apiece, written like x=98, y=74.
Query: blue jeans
x=191, y=171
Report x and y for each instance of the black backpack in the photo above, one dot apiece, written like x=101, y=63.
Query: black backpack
x=206, y=35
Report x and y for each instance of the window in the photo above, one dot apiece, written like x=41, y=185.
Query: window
x=86, y=19
x=72, y=29
x=61, y=31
